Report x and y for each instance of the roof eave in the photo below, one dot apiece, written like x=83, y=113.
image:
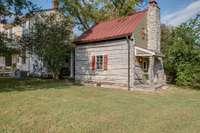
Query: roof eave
x=103, y=39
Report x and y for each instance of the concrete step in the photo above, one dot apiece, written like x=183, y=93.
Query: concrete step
x=151, y=87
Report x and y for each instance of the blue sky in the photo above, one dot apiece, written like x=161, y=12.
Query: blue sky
x=173, y=12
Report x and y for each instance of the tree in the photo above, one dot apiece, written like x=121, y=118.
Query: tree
x=87, y=12
x=50, y=40
x=181, y=46
x=15, y=9
x=12, y=10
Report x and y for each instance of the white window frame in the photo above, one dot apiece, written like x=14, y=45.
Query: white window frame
x=102, y=65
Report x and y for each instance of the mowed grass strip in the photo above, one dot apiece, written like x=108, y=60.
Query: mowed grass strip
x=45, y=106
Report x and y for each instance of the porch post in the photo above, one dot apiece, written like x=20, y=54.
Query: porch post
x=151, y=68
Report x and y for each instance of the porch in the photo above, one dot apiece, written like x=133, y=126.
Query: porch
x=148, y=68
x=8, y=65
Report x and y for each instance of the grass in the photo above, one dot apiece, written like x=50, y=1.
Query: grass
x=40, y=106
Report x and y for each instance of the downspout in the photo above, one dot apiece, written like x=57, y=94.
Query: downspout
x=134, y=58
x=128, y=42
x=74, y=64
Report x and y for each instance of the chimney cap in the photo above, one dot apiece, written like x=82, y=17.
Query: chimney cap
x=55, y=4
x=153, y=2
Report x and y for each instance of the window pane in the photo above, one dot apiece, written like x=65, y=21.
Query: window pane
x=8, y=60
x=99, y=62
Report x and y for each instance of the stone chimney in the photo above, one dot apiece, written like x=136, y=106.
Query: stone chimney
x=55, y=4
x=153, y=26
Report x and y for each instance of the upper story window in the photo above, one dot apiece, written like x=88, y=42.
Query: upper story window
x=143, y=33
x=10, y=33
x=25, y=28
x=23, y=55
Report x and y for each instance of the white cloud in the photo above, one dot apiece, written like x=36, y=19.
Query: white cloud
x=183, y=15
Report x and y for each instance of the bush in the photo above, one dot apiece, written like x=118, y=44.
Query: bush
x=181, y=47
x=188, y=75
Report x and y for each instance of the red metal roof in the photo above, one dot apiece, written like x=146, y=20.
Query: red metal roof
x=111, y=29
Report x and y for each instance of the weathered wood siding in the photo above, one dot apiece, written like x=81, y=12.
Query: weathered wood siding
x=117, y=72
x=140, y=41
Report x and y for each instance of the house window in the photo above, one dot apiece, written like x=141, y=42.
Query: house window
x=23, y=60
x=23, y=56
x=8, y=60
x=10, y=33
x=99, y=62
x=145, y=66
x=143, y=33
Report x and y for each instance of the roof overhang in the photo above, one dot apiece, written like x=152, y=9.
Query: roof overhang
x=103, y=39
x=142, y=52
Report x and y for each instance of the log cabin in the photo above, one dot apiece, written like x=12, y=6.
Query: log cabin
x=122, y=52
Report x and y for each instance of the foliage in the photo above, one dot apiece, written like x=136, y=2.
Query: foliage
x=15, y=9
x=12, y=10
x=181, y=46
x=87, y=12
x=50, y=40
x=188, y=74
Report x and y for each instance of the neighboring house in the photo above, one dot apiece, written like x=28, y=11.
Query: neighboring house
x=8, y=63
x=123, y=52
x=21, y=59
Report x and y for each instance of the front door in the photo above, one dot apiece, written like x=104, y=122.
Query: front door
x=141, y=70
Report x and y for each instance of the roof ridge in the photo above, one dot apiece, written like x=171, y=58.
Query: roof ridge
x=130, y=14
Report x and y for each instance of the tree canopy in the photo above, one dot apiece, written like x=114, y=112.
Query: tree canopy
x=181, y=46
x=10, y=12
x=15, y=9
x=87, y=12
x=50, y=40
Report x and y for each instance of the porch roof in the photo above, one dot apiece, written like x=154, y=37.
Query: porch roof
x=146, y=52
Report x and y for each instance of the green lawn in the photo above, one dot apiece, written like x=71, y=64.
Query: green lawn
x=31, y=106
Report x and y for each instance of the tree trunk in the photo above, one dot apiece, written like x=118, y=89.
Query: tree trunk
x=55, y=75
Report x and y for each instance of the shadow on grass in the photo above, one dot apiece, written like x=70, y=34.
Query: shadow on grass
x=12, y=84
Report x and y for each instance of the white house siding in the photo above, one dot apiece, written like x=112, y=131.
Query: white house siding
x=2, y=61
x=117, y=72
x=33, y=65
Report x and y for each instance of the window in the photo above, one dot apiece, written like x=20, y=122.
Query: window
x=99, y=62
x=143, y=33
x=2, y=61
x=8, y=60
x=10, y=33
x=145, y=66
x=23, y=59
x=23, y=55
